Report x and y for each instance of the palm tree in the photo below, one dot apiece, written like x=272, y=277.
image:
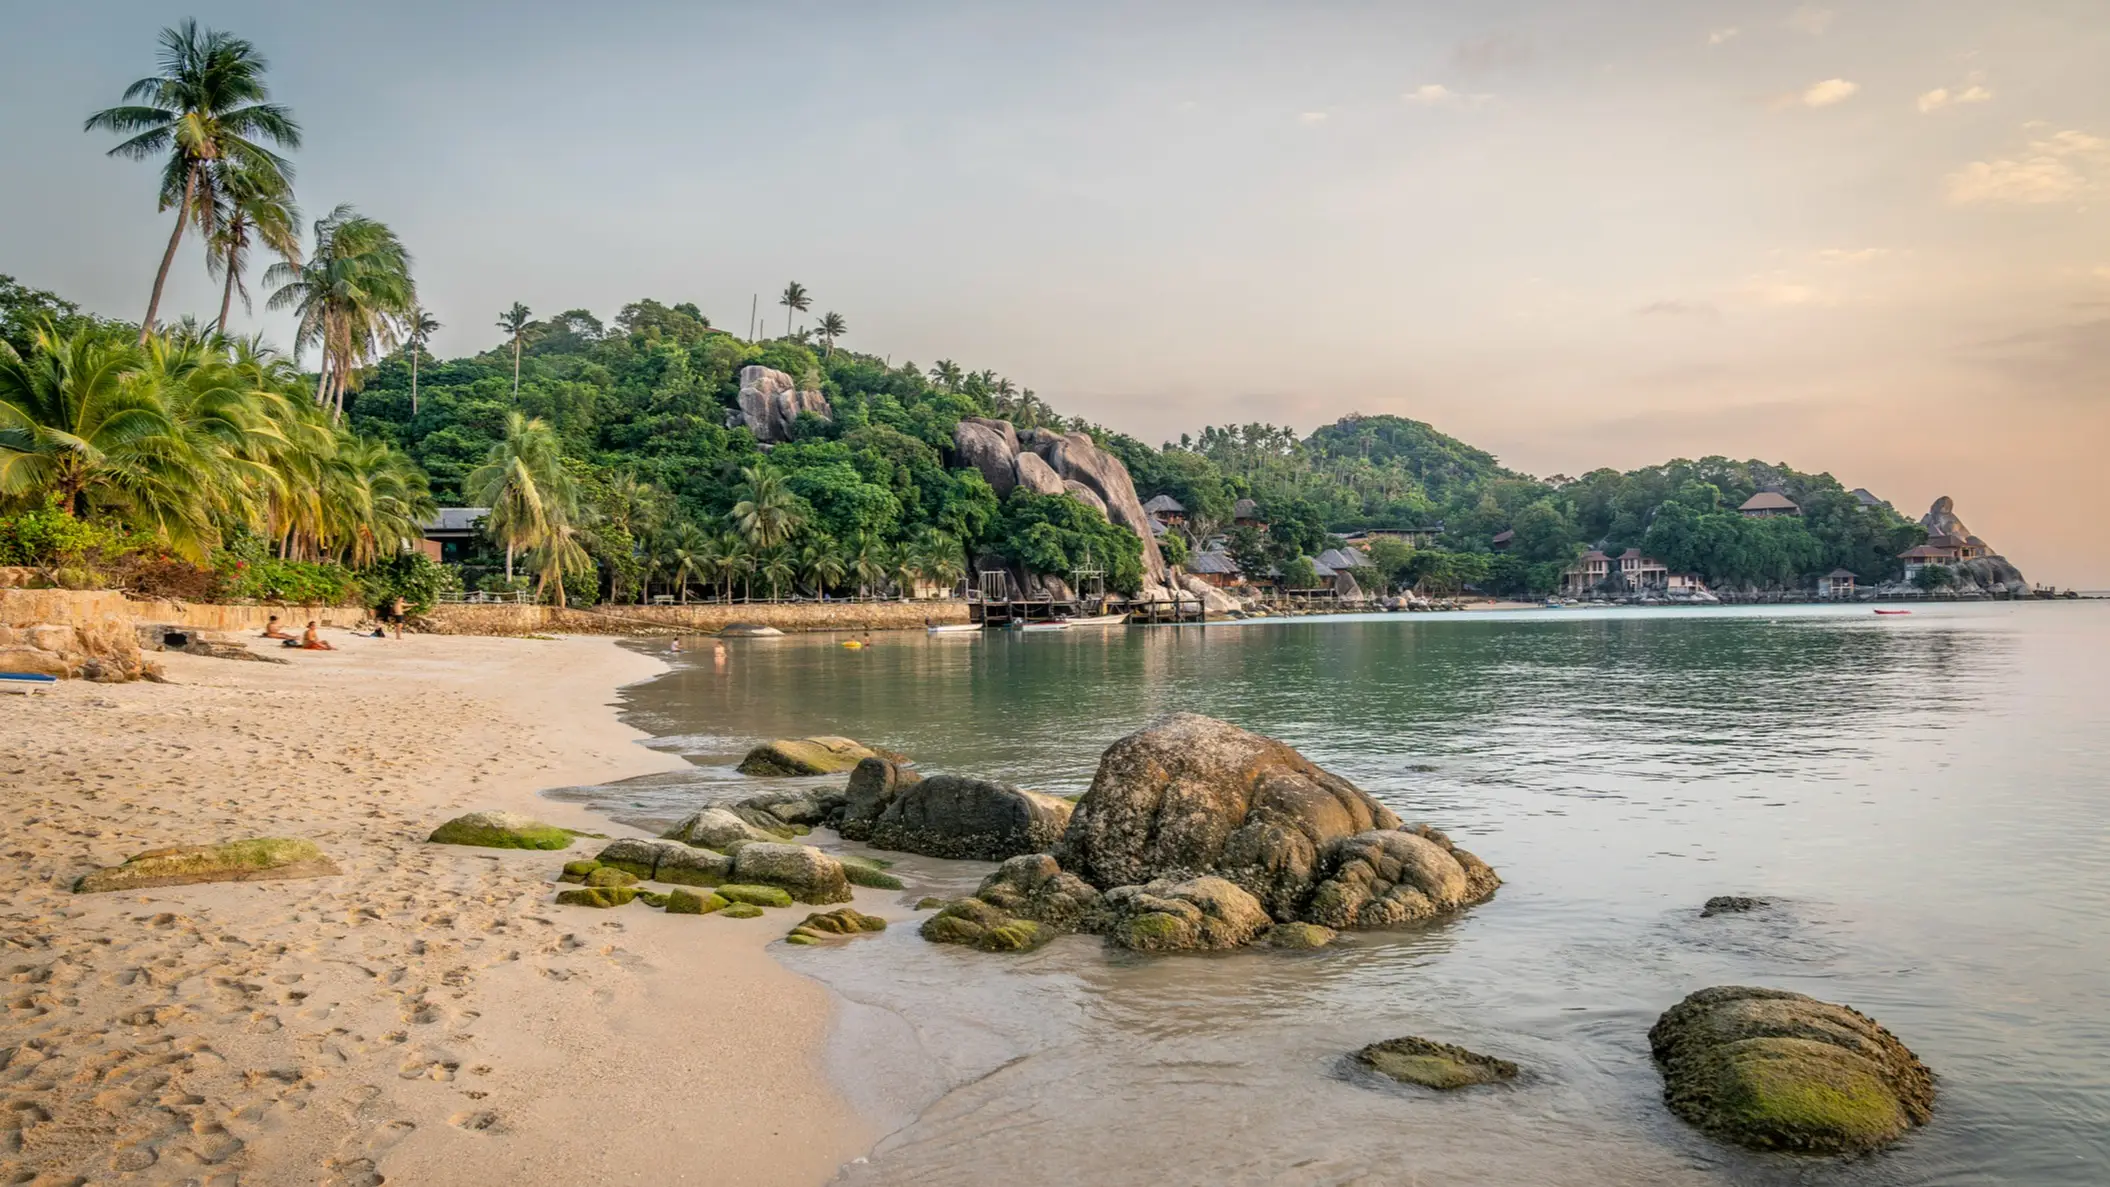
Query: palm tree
x=832, y=327
x=867, y=564
x=778, y=567
x=251, y=204
x=532, y=498
x=902, y=569
x=767, y=513
x=514, y=321
x=418, y=328
x=207, y=104
x=947, y=374
x=81, y=421
x=693, y=553
x=794, y=300
x=349, y=297
x=738, y=561
x=821, y=563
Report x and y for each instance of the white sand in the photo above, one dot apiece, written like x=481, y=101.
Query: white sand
x=429, y=1017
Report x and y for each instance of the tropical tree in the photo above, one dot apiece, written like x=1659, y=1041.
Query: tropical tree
x=832, y=327
x=867, y=564
x=418, y=328
x=514, y=321
x=81, y=423
x=821, y=562
x=794, y=300
x=947, y=374
x=253, y=206
x=691, y=554
x=349, y=298
x=777, y=566
x=767, y=513
x=207, y=104
x=737, y=560
x=532, y=497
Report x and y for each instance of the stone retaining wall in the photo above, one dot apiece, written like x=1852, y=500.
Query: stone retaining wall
x=456, y=619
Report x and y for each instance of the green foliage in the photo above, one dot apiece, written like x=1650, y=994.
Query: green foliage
x=46, y=535
x=1933, y=577
x=300, y=583
x=1059, y=535
x=1299, y=573
x=416, y=578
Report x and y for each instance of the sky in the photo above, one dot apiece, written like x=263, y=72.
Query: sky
x=1865, y=238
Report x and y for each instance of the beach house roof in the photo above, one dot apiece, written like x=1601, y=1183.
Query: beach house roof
x=1504, y=536
x=1163, y=503
x=1245, y=509
x=1867, y=498
x=1342, y=558
x=456, y=519
x=1927, y=552
x=1213, y=562
x=1631, y=554
x=1596, y=555
x=1836, y=574
x=1769, y=500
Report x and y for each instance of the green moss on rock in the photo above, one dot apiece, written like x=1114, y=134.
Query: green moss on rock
x=864, y=875
x=1774, y=1070
x=597, y=896
x=652, y=898
x=808, y=756
x=688, y=902
x=501, y=830
x=1298, y=936
x=757, y=896
x=977, y=924
x=742, y=911
x=843, y=921
x=256, y=860
x=929, y=902
x=1414, y=1060
x=577, y=871
x=611, y=876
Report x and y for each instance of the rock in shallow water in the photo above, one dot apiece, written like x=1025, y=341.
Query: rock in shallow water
x=1197, y=914
x=1389, y=877
x=1731, y=904
x=872, y=787
x=501, y=830
x=828, y=925
x=1298, y=936
x=977, y=924
x=974, y=819
x=1775, y=1070
x=807, y=756
x=1414, y=1060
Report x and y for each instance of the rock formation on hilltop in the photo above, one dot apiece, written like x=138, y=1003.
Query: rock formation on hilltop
x=1070, y=464
x=1982, y=566
x=770, y=401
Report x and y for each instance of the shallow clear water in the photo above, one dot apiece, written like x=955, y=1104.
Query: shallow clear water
x=1923, y=797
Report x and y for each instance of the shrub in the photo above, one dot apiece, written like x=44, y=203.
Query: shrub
x=152, y=575
x=46, y=536
x=412, y=576
x=302, y=583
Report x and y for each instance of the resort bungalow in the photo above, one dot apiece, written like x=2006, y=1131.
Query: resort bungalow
x=1866, y=500
x=1586, y=574
x=1836, y=584
x=1768, y=504
x=1217, y=568
x=452, y=533
x=1245, y=513
x=1502, y=541
x=1942, y=550
x=1643, y=572
x=1166, y=510
x=1686, y=584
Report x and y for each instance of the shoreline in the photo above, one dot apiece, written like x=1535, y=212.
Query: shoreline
x=428, y=1015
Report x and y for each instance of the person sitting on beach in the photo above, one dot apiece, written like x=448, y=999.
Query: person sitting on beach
x=272, y=631
x=312, y=640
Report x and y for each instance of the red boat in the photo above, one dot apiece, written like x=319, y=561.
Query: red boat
x=1893, y=611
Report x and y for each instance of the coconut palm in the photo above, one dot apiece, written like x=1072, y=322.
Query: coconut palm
x=867, y=564
x=903, y=567
x=531, y=496
x=777, y=566
x=821, y=562
x=947, y=374
x=418, y=328
x=253, y=207
x=208, y=104
x=514, y=321
x=738, y=560
x=690, y=553
x=767, y=513
x=794, y=300
x=349, y=298
x=832, y=327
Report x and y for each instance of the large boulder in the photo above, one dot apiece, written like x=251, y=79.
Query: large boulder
x=1037, y=476
x=956, y=816
x=770, y=402
x=988, y=450
x=1188, y=796
x=501, y=830
x=802, y=871
x=1075, y=456
x=1213, y=600
x=779, y=810
x=872, y=788
x=257, y=860
x=1779, y=1071
x=718, y=828
x=977, y=924
x=1199, y=913
x=1389, y=877
x=826, y=755
x=1085, y=495
x=1032, y=886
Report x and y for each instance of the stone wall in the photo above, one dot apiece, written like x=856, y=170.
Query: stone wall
x=627, y=620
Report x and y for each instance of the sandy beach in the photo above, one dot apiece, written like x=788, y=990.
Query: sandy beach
x=426, y=1017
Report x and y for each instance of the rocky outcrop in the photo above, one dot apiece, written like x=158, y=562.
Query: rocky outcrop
x=1213, y=600
x=1415, y=1060
x=770, y=402
x=792, y=808
x=718, y=828
x=1390, y=877
x=990, y=447
x=1197, y=914
x=1036, y=476
x=808, y=756
x=101, y=650
x=257, y=860
x=959, y=817
x=873, y=785
x=1731, y=904
x=803, y=872
x=1188, y=795
x=501, y=830
x=1298, y=937
x=1085, y=495
x=1032, y=886
x=1056, y=464
x=977, y=924
x=1779, y=1071
x=1990, y=573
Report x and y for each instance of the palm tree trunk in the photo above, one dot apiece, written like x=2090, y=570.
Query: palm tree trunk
x=509, y=562
x=413, y=379
x=322, y=379
x=516, y=367
x=227, y=293
x=190, y=189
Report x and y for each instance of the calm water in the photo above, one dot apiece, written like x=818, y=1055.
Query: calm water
x=1924, y=798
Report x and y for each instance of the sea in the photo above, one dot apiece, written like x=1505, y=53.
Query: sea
x=1923, y=800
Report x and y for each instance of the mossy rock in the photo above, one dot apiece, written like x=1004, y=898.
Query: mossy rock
x=808, y=756
x=843, y=921
x=577, y=871
x=1774, y=1070
x=852, y=859
x=929, y=902
x=611, y=876
x=742, y=911
x=501, y=830
x=1413, y=1060
x=256, y=860
x=802, y=936
x=759, y=896
x=689, y=902
x=597, y=896
x=1731, y=904
x=652, y=898
x=977, y=924
x=1152, y=931
x=864, y=875
x=1298, y=936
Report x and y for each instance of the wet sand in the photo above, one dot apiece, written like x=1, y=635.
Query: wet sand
x=426, y=1017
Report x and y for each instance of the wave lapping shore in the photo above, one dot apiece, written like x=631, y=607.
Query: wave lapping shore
x=427, y=1016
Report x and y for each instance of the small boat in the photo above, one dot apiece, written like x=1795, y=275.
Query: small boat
x=954, y=628
x=1058, y=625
x=1893, y=611
x=1100, y=620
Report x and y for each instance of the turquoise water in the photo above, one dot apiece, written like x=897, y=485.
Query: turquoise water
x=1924, y=798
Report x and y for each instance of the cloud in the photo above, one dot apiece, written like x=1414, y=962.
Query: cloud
x=1828, y=92
x=1722, y=36
x=1680, y=308
x=2067, y=166
x=1811, y=19
x=1311, y=117
x=1435, y=94
x=1496, y=51
x=1973, y=90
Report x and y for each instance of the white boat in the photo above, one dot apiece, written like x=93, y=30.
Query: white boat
x=954, y=628
x=1042, y=626
x=1100, y=620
